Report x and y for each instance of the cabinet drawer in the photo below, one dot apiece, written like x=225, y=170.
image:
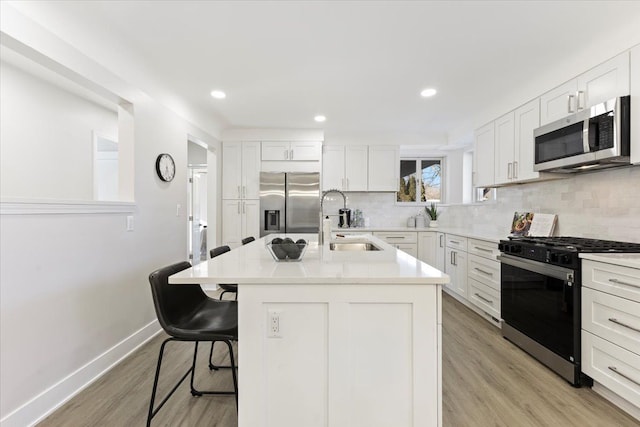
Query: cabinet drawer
x=456, y=242
x=484, y=297
x=410, y=248
x=484, y=271
x=483, y=248
x=613, y=318
x=397, y=237
x=612, y=366
x=613, y=279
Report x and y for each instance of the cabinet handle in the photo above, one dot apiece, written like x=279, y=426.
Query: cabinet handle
x=239, y=196
x=291, y=156
x=614, y=369
x=395, y=237
x=454, y=241
x=451, y=260
x=455, y=258
x=243, y=207
x=509, y=170
x=515, y=170
x=441, y=239
x=482, y=249
x=244, y=191
x=484, y=299
x=483, y=272
x=617, y=322
x=286, y=154
x=580, y=100
x=620, y=282
x=238, y=207
x=570, y=103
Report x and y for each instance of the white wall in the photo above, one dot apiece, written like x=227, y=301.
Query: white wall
x=75, y=295
x=46, y=140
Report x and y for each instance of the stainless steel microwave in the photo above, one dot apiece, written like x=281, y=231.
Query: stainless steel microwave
x=595, y=138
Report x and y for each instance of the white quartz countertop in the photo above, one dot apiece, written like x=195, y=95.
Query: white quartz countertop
x=252, y=263
x=625, y=260
x=465, y=232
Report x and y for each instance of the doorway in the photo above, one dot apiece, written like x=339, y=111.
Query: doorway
x=197, y=202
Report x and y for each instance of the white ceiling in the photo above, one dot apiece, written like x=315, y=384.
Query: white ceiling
x=361, y=64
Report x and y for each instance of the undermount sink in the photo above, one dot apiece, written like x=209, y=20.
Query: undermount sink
x=353, y=247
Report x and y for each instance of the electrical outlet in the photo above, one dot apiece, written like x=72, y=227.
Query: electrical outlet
x=130, y=223
x=274, y=325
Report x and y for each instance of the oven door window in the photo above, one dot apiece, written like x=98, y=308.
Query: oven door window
x=561, y=143
x=540, y=307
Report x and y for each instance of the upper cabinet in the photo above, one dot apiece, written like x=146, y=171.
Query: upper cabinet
x=603, y=82
x=297, y=151
x=241, y=170
x=345, y=167
x=514, y=144
x=484, y=156
x=360, y=167
x=384, y=164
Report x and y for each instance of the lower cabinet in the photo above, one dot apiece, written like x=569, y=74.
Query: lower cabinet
x=428, y=247
x=611, y=328
x=405, y=241
x=456, y=268
x=240, y=219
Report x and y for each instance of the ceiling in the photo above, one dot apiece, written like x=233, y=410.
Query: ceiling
x=361, y=64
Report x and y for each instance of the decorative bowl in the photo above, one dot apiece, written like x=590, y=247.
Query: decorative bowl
x=287, y=251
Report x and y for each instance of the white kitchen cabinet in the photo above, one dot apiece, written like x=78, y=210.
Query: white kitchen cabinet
x=241, y=170
x=456, y=263
x=440, y=252
x=428, y=247
x=383, y=170
x=406, y=241
x=635, y=101
x=345, y=167
x=240, y=219
x=456, y=268
x=514, y=144
x=611, y=328
x=296, y=151
x=603, y=82
x=504, y=148
x=484, y=156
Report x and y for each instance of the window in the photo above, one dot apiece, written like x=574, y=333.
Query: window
x=421, y=181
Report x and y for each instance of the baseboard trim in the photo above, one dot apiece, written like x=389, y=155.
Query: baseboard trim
x=617, y=400
x=45, y=403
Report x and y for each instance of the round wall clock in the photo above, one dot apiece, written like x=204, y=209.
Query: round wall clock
x=165, y=167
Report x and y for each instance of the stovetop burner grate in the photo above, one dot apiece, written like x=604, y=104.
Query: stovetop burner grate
x=582, y=244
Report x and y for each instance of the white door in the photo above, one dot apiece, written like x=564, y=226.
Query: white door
x=527, y=118
x=250, y=170
x=483, y=156
x=558, y=102
x=232, y=222
x=309, y=150
x=356, y=167
x=504, y=138
x=275, y=150
x=231, y=170
x=251, y=218
x=427, y=245
x=383, y=170
x=606, y=81
x=333, y=165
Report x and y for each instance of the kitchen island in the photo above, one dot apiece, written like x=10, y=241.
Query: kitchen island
x=341, y=338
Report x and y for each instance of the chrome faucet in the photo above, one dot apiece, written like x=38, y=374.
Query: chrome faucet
x=324, y=194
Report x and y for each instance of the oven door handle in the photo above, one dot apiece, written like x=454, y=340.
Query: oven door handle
x=538, y=267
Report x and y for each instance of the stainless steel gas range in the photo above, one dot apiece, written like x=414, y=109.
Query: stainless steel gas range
x=540, y=297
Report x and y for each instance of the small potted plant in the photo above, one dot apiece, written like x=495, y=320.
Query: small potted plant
x=433, y=214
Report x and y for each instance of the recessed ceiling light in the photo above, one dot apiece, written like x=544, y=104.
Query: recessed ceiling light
x=320, y=119
x=428, y=92
x=218, y=94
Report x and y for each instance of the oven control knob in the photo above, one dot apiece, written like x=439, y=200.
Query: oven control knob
x=565, y=259
x=553, y=257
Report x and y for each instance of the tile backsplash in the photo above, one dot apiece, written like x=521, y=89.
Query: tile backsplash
x=603, y=205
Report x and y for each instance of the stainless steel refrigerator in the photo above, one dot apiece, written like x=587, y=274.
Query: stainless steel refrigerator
x=289, y=202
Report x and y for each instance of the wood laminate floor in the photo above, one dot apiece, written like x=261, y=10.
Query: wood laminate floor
x=487, y=381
